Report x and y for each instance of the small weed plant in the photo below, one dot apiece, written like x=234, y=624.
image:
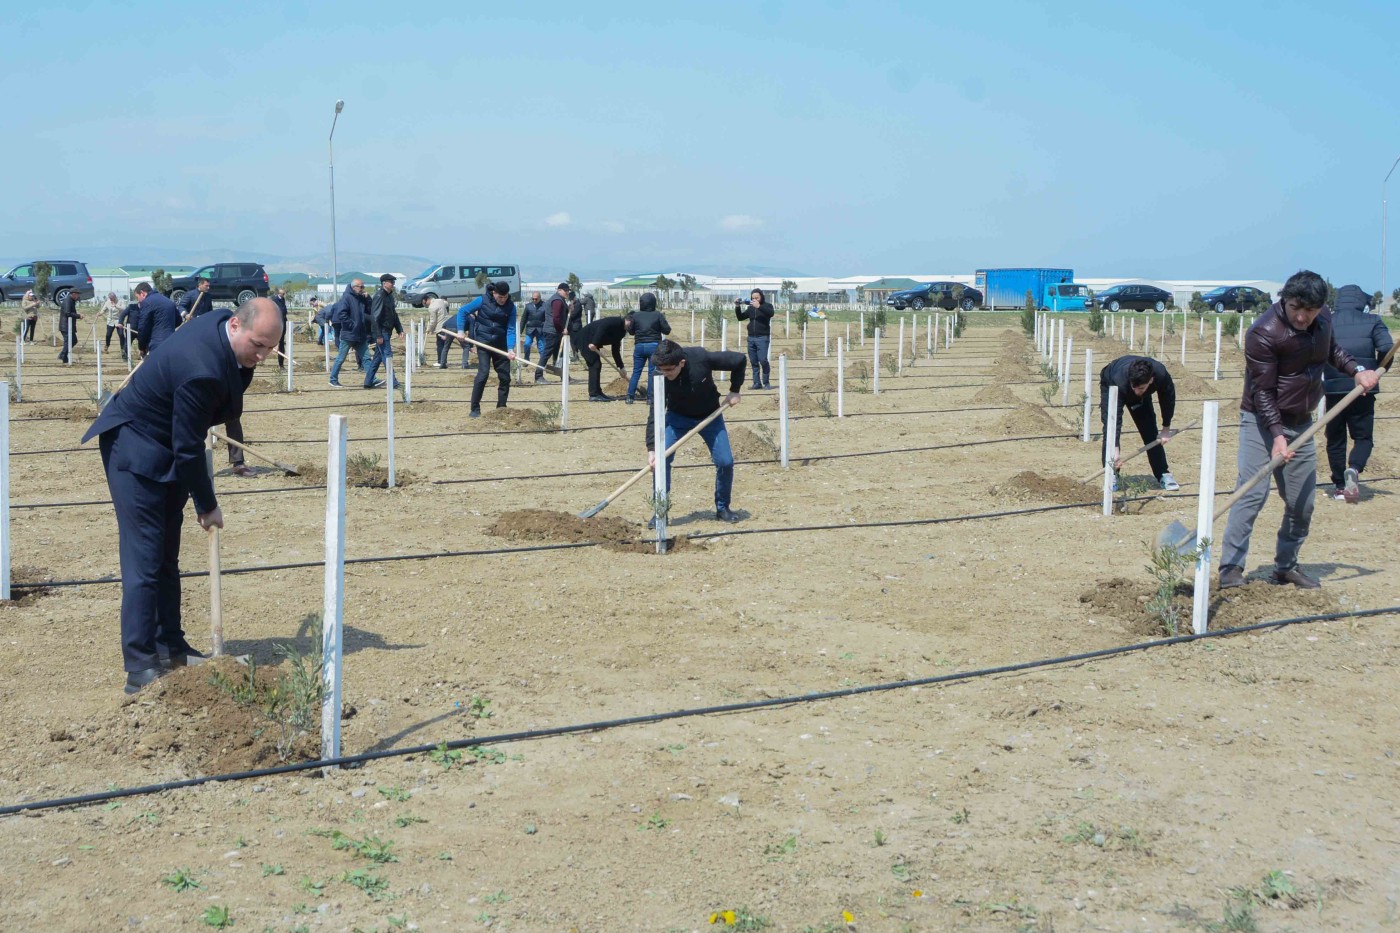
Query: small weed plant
x=218, y=916
x=181, y=880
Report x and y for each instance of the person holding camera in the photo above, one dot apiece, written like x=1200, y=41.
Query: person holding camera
x=759, y=313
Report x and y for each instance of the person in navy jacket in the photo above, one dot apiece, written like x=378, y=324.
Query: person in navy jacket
x=152, y=440
x=159, y=318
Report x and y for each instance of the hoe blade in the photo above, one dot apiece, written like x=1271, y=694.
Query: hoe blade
x=1176, y=535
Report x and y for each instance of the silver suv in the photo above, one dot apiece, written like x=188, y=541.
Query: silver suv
x=65, y=275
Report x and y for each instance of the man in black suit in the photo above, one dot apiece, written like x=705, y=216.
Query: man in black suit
x=196, y=302
x=152, y=441
x=68, y=318
x=159, y=318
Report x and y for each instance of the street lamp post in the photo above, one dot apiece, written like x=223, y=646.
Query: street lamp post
x=1387, y=178
x=330, y=146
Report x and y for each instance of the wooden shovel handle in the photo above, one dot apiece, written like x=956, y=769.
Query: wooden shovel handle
x=669, y=450
x=1141, y=450
x=486, y=346
x=253, y=452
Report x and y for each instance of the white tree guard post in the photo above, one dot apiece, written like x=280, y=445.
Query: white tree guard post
x=1201, y=331
x=564, y=354
x=848, y=333
x=1088, y=372
x=804, y=340
x=325, y=345
x=783, y=411
x=787, y=323
x=1216, y=377
x=724, y=334
x=290, y=366
x=389, y=409
x=410, y=344
x=876, y=367
x=1239, y=334
x=1035, y=332
x=1064, y=376
x=826, y=339
x=658, y=443
x=53, y=332
x=928, y=337
x=862, y=328
x=97, y=353
x=841, y=378
x=4, y=490
x=1110, y=450
x=19, y=373
x=72, y=344
x=948, y=332
x=913, y=339
x=1205, y=517
x=333, y=608
x=1183, y=343
x=1060, y=360
x=899, y=351
x=692, y=326
x=1132, y=333
x=702, y=333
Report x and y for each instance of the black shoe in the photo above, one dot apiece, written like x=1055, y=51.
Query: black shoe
x=755, y=387
x=376, y=384
x=767, y=386
x=1231, y=577
x=135, y=680
x=1296, y=577
x=630, y=400
x=600, y=398
x=187, y=658
x=724, y=514
x=474, y=413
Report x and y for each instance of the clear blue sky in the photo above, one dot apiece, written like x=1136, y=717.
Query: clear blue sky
x=1179, y=139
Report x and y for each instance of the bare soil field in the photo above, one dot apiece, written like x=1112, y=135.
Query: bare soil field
x=1237, y=783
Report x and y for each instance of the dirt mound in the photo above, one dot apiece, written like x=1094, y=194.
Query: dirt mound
x=1188, y=383
x=509, y=419
x=996, y=394
x=745, y=445
x=618, y=387
x=360, y=470
x=1027, y=421
x=1011, y=368
x=75, y=412
x=826, y=382
x=1125, y=600
x=804, y=402
x=1030, y=486
x=615, y=534
x=419, y=407
x=25, y=574
x=188, y=720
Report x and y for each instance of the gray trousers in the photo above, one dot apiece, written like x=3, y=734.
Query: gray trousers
x=1297, y=480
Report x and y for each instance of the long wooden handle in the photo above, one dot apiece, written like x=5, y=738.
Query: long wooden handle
x=253, y=452
x=669, y=450
x=486, y=346
x=1141, y=450
x=216, y=595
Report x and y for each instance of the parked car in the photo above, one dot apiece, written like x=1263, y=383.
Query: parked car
x=1236, y=298
x=1133, y=298
x=456, y=281
x=944, y=295
x=238, y=282
x=65, y=275
x=1065, y=296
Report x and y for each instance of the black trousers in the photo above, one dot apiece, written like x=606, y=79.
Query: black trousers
x=1358, y=420
x=1145, y=417
x=550, y=355
x=485, y=360
x=29, y=323
x=234, y=429
x=595, y=370
x=444, y=346
x=149, y=516
x=121, y=338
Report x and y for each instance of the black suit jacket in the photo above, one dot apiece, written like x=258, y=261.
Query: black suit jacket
x=159, y=318
x=193, y=383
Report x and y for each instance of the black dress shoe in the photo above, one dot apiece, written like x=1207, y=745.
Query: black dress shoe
x=1296, y=577
x=1231, y=577
x=135, y=680
x=725, y=515
x=185, y=658
x=600, y=398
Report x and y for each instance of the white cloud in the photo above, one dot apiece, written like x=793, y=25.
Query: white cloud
x=613, y=226
x=561, y=219
x=739, y=222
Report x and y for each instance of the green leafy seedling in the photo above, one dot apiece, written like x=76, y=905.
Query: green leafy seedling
x=181, y=880
x=218, y=916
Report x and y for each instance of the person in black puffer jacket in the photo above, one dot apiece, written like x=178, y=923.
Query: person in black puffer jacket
x=1366, y=338
x=759, y=313
x=647, y=326
x=494, y=325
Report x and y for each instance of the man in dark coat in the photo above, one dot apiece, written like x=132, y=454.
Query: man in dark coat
x=383, y=324
x=1138, y=378
x=68, y=318
x=350, y=316
x=493, y=323
x=759, y=313
x=195, y=302
x=532, y=319
x=152, y=440
x=592, y=338
x=159, y=318
x=1366, y=338
x=556, y=325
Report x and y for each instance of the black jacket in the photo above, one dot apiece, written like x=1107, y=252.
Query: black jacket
x=575, y=320
x=172, y=400
x=159, y=318
x=693, y=392
x=383, y=315
x=1116, y=374
x=194, y=303
x=350, y=315
x=604, y=332
x=1284, y=367
x=494, y=323
x=648, y=325
x=68, y=315
x=1361, y=334
x=533, y=318
x=760, y=318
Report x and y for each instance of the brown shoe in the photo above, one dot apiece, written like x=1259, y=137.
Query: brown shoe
x=1231, y=577
x=243, y=470
x=1296, y=577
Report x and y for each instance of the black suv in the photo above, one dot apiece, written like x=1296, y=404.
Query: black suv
x=941, y=294
x=239, y=282
x=1235, y=298
x=1133, y=298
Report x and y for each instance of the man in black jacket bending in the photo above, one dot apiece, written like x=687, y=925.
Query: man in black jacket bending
x=691, y=396
x=1138, y=378
x=1365, y=337
x=759, y=313
x=592, y=338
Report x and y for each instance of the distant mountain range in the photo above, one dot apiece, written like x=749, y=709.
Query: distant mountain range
x=320, y=263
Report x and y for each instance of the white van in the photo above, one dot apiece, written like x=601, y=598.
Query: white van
x=456, y=282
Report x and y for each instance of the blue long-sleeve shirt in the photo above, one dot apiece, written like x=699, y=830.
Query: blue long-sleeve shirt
x=462, y=314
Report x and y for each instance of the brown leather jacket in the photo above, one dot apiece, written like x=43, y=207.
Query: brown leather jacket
x=1284, y=367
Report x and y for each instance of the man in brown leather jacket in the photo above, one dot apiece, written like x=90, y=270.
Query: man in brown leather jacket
x=1286, y=352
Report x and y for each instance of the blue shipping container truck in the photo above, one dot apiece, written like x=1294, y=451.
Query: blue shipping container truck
x=1006, y=288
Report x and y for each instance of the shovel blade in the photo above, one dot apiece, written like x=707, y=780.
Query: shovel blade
x=589, y=513
x=1176, y=535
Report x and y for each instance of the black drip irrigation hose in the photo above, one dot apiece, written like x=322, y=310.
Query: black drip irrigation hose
x=650, y=718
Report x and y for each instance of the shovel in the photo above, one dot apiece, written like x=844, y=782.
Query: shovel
x=1177, y=535
x=589, y=513
x=1141, y=450
x=290, y=471
x=552, y=370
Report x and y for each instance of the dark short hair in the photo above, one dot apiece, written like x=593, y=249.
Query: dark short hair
x=667, y=353
x=562, y=287
x=499, y=288
x=386, y=277
x=143, y=289
x=202, y=278
x=1307, y=288
x=1140, y=372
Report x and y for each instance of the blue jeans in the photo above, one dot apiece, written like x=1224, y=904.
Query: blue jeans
x=758, y=360
x=535, y=340
x=382, y=352
x=345, y=346
x=641, y=353
x=717, y=439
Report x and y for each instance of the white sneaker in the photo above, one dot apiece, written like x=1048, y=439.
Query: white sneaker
x=1169, y=483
